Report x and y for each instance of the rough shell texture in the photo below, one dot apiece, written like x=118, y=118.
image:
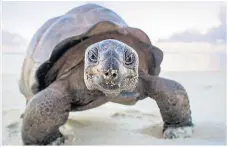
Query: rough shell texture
x=50, y=39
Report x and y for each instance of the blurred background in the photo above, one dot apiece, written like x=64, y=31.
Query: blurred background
x=187, y=32
x=192, y=36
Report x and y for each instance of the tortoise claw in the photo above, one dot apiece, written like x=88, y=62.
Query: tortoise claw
x=59, y=141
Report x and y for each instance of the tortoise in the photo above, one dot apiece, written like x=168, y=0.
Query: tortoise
x=88, y=57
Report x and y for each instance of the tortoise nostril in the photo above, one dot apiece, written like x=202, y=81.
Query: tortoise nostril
x=110, y=74
x=106, y=73
x=114, y=75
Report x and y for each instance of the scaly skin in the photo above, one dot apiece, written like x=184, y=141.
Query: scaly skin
x=44, y=113
x=49, y=109
x=172, y=100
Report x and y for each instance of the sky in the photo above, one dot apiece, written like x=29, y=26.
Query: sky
x=195, y=27
x=24, y=18
x=215, y=34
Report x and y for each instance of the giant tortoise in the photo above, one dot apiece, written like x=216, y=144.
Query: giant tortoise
x=89, y=57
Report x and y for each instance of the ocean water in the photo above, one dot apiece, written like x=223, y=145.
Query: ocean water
x=12, y=63
x=11, y=69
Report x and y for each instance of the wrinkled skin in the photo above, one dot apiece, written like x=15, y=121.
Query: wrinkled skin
x=49, y=109
x=111, y=67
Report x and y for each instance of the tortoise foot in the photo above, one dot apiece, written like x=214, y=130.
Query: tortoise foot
x=178, y=132
x=59, y=141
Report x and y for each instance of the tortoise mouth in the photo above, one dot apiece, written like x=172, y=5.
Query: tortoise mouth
x=110, y=86
x=107, y=86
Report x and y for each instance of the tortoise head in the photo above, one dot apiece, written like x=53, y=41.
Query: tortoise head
x=111, y=66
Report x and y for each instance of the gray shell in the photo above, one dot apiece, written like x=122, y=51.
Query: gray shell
x=79, y=22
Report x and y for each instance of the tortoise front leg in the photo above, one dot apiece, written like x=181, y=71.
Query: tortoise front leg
x=45, y=113
x=173, y=102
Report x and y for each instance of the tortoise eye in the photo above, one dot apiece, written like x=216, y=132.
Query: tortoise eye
x=129, y=58
x=93, y=54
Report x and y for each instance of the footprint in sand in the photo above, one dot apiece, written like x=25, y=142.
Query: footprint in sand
x=154, y=129
x=13, y=125
x=132, y=113
x=13, y=129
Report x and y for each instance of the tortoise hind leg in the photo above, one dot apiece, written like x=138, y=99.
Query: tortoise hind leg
x=173, y=102
x=45, y=113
